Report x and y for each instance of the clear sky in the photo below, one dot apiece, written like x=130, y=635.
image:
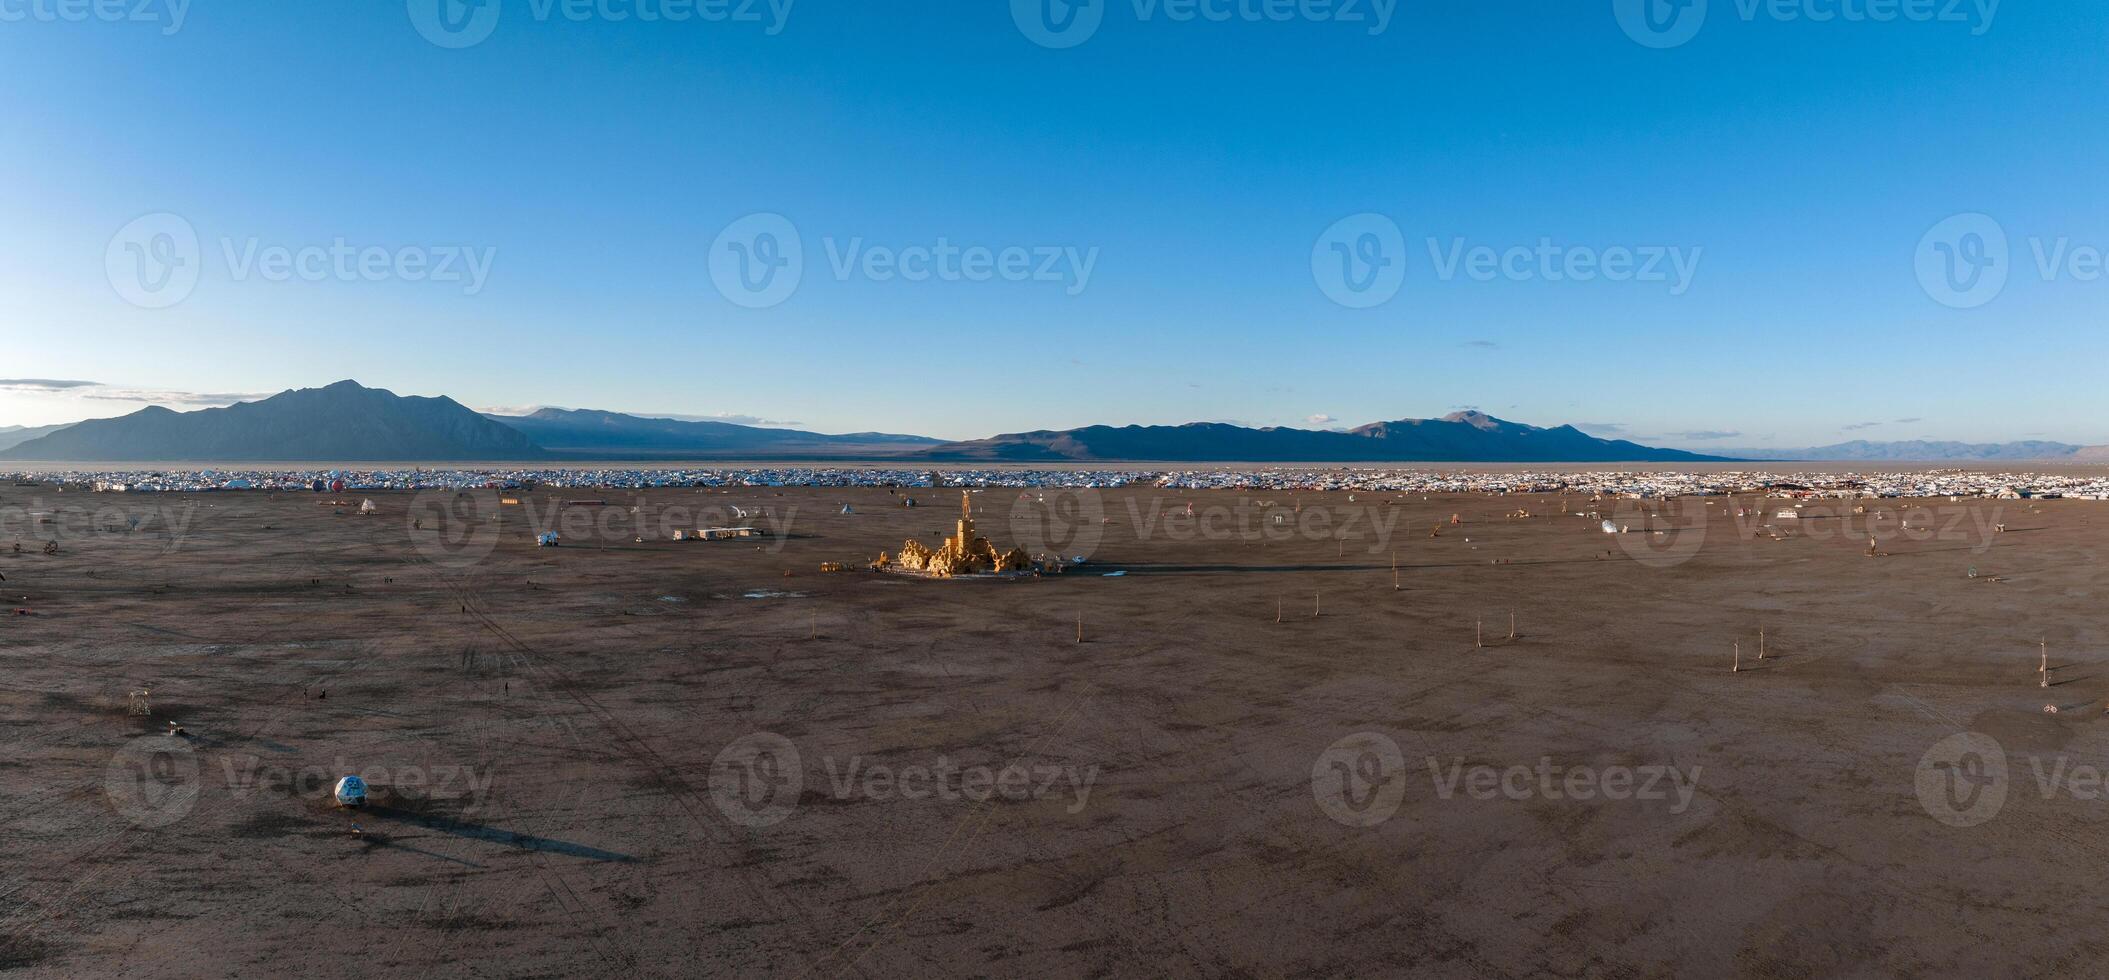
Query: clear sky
x=1171, y=187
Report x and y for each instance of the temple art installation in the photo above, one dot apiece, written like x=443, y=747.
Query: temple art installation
x=964, y=553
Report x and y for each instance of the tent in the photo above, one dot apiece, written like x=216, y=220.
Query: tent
x=351, y=791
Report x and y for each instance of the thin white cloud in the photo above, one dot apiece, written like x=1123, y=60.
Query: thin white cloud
x=735, y=418
x=101, y=392
x=43, y=384
x=516, y=411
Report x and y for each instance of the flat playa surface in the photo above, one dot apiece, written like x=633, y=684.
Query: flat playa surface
x=551, y=721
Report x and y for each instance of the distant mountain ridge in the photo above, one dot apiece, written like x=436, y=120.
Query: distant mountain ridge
x=342, y=422
x=1929, y=451
x=597, y=433
x=348, y=422
x=15, y=435
x=1461, y=437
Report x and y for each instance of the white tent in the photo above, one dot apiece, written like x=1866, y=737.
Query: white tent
x=367, y=507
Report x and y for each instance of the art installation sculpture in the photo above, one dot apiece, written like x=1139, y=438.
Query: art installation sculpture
x=964, y=553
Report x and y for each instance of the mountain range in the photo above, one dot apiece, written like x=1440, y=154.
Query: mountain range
x=591, y=433
x=1460, y=437
x=347, y=422
x=1928, y=451
x=15, y=435
x=343, y=422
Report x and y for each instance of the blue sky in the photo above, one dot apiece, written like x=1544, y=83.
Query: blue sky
x=596, y=161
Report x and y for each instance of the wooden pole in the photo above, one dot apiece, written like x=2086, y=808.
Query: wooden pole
x=1314, y=605
x=1080, y=627
x=1512, y=624
x=1478, y=637
x=1277, y=609
x=1761, y=643
x=1394, y=571
x=1737, y=667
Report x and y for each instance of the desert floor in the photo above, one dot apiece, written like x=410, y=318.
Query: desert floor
x=624, y=758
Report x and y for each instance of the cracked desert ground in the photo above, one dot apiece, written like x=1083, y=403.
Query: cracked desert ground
x=547, y=732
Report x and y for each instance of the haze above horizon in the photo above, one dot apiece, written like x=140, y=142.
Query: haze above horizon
x=1756, y=228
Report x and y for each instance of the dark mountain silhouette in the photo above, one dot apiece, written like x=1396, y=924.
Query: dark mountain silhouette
x=614, y=434
x=344, y=422
x=15, y=435
x=1461, y=437
x=1920, y=450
